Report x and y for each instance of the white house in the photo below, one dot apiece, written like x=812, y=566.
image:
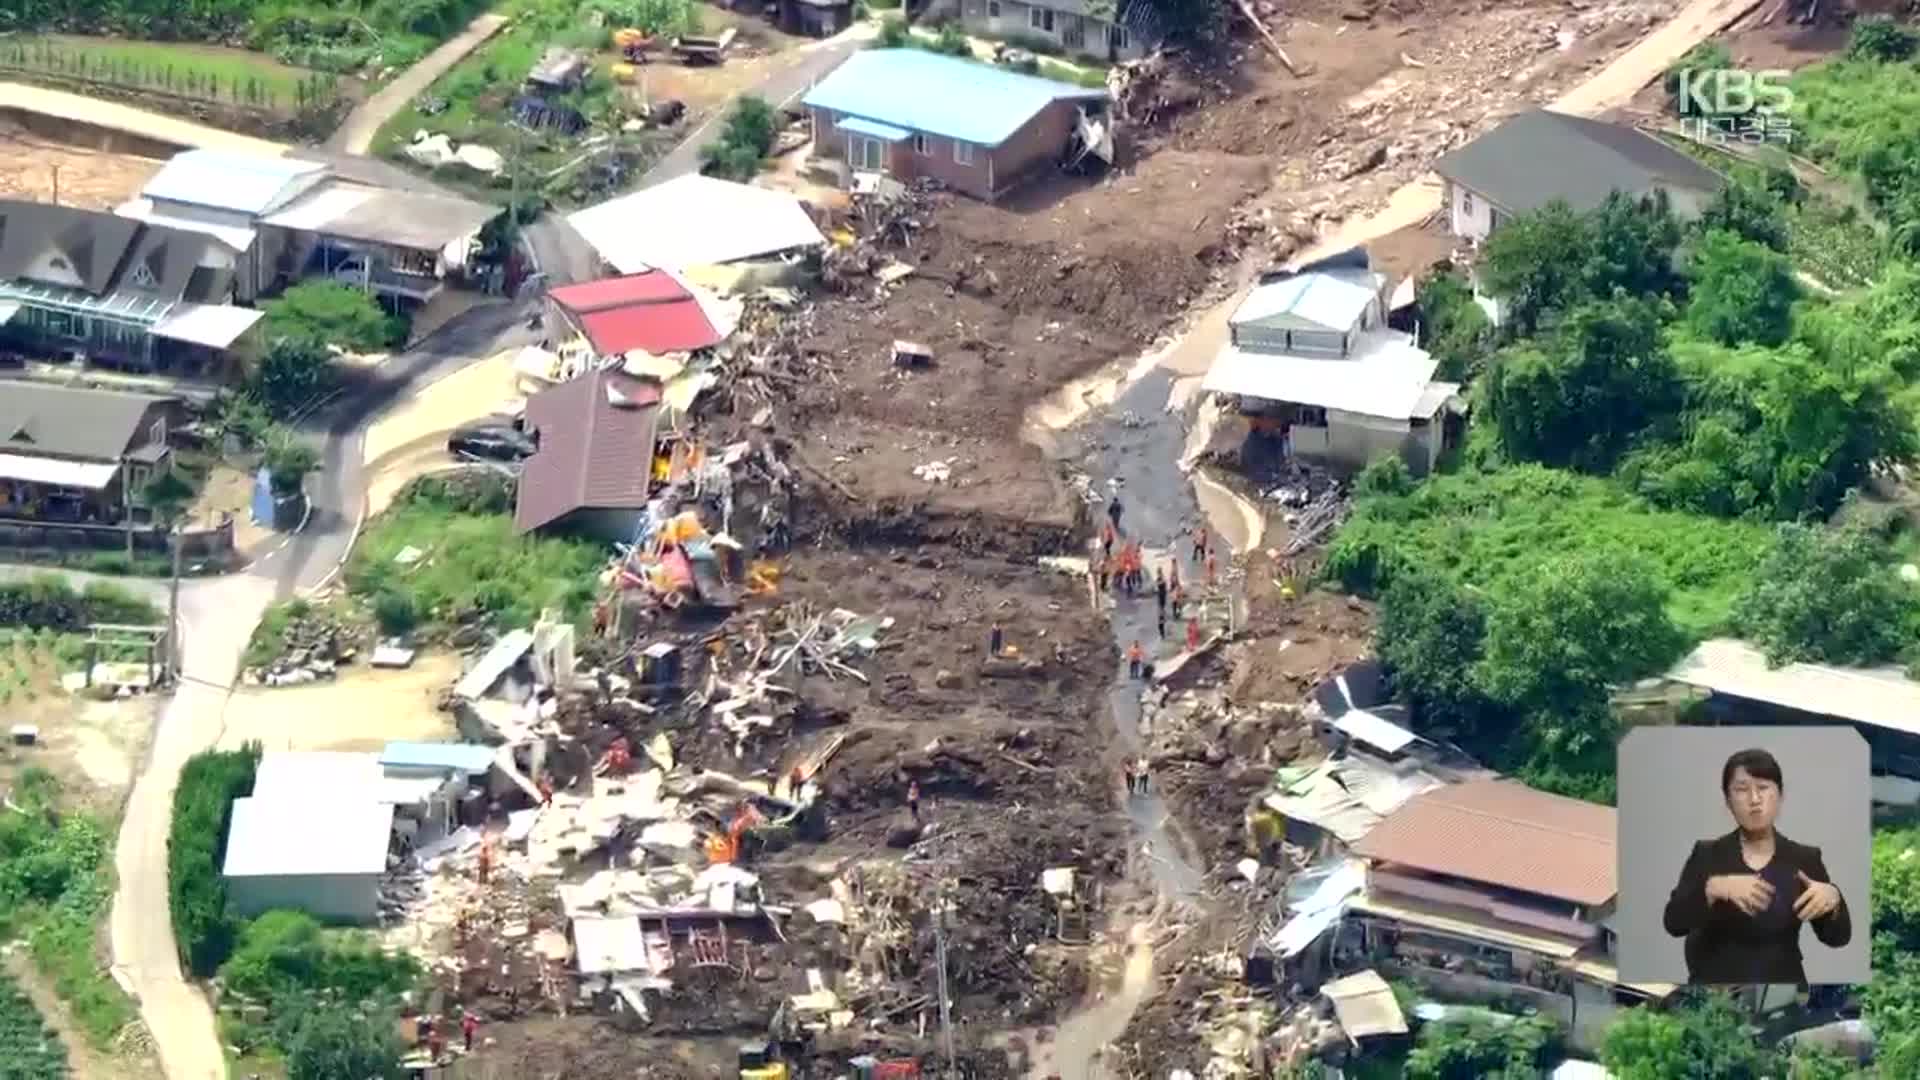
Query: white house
x=1541, y=156
x=1310, y=355
x=316, y=833
x=316, y=855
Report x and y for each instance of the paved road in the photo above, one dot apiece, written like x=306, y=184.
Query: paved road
x=217, y=618
x=356, y=135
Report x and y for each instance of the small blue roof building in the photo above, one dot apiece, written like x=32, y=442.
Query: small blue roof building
x=910, y=113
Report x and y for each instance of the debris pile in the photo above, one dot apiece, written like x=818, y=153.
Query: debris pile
x=317, y=643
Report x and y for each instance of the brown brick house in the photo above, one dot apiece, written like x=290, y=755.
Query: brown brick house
x=913, y=114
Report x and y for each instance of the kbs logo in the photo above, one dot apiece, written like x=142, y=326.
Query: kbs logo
x=1734, y=93
x=1750, y=106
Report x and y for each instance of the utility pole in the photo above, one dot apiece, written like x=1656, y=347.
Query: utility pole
x=940, y=958
x=126, y=501
x=56, y=185
x=173, y=606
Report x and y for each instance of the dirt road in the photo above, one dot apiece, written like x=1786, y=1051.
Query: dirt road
x=1610, y=88
x=356, y=135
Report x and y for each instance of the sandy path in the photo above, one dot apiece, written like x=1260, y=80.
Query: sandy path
x=356, y=135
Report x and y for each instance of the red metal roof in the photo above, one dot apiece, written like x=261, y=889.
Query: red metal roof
x=650, y=311
x=595, y=451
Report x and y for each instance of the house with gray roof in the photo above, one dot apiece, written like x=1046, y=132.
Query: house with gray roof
x=104, y=289
x=1110, y=30
x=68, y=454
x=1541, y=156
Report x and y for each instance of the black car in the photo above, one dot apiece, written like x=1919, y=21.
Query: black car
x=496, y=442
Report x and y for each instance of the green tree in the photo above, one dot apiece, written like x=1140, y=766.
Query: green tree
x=1776, y=432
x=1629, y=247
x=196, y=847
x=1701, y=1039
x=1457, y=331
x=167, y=495
x=1746, y=208
x=334, y=1043
x=1827, y=596
x=288, y=462
x=1896, y=894
x=1483, y=1049
x=893, y=33
x=1561, y=635
x=744, y=142
x=1534, y=263
x=1578, y=397
x=1878, y=39
x=331, y=313
x=291, y=374
x=1742, y=291
x=1431, y=637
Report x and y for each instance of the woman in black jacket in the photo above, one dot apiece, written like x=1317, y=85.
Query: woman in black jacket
x=1742, y=897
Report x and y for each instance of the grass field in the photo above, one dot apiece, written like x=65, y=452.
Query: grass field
x=213, y=70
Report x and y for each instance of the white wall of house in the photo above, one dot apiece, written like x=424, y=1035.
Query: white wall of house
x=331, y=897
x=1074, y=33
x=1469, y=214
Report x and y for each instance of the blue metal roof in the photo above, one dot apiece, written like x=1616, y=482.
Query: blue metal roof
x=468, y=757
x=940, y=95
x=874, y=128
x=243, y=183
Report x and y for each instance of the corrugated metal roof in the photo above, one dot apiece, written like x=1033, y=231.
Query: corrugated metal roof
x=1362, y=725
x=1502, y=832
x=594, y=450
x=695, y=220
x=1882, y=697
x=214, y=325
x=237, y=237
x=228, y=181
x=609, y=945
x=321, y=204
x=1465, y=923
x=1387, y=378
x=466, y=757
x=296, y=837
x=1316, y=301
x=875, y=128
x=651, y=312
x=940, y=95
x=1436, y=395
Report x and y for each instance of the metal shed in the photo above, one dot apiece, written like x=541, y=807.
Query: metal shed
x=326, y=861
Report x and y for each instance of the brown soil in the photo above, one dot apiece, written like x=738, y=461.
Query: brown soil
x=32, y=165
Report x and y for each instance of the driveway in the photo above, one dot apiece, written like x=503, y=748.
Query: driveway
x=217, y=616
x=356, y=135
x=781, y=87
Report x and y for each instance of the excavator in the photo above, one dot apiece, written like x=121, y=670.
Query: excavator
x=729, y=848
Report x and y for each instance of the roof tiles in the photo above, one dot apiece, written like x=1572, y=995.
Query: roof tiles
x=596, y=447
x=1504, y=833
